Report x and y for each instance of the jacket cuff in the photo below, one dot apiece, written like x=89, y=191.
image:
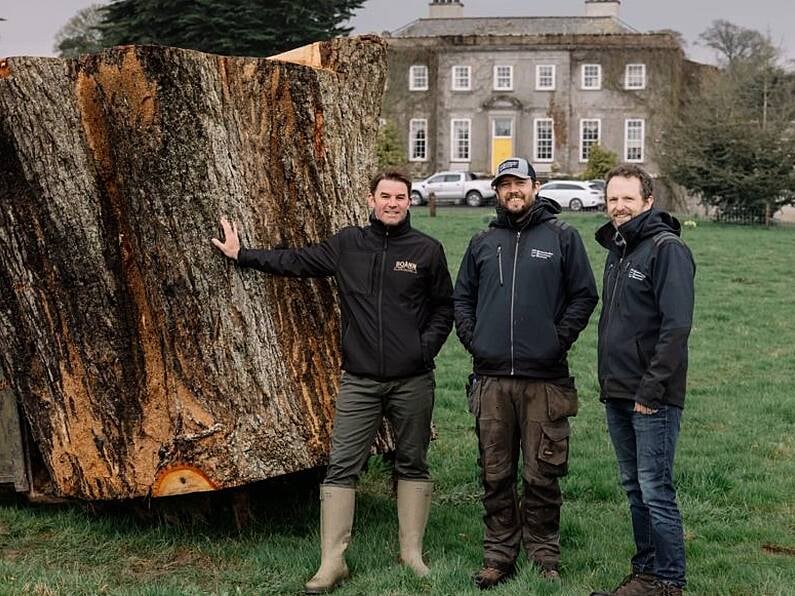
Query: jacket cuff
x=242, y=257
x=650, y=394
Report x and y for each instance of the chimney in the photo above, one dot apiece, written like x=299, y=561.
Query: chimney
x=602, y=8
x=445, y=9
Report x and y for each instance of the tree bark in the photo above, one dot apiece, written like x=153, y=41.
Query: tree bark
x=144, y=361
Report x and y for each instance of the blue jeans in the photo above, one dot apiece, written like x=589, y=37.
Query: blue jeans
x=645, y=446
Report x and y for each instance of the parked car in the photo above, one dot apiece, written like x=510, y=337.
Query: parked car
x=454, y=187
x=574, y=194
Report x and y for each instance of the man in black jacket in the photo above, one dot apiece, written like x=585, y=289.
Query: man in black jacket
x=524, y=292
x=647, y=311
x=396, y=299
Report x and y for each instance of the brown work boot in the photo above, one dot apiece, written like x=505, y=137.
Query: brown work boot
x=635, y=584
x=493, y=574
x=551, y=575
x=666, y=589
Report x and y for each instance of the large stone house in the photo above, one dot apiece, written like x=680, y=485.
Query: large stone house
x=465, y=93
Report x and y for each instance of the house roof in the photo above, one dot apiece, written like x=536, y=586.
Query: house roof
x=513, y=26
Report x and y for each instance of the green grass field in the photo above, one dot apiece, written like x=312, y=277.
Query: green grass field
x=735, y=471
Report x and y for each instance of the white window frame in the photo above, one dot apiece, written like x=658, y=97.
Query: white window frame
x=415, y=125
x=634, y=144
x=539, y=86
x=635, y=86
x=510, y=77
x=536, y=156
x=584, y=158
x=454, y=156
x=413, y=72
x=454, y=79
x=584, y=77
x=494, y=125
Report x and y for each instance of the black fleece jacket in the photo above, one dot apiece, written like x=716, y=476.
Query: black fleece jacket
x=647, y=310
x=525, y=291
x=395, y=293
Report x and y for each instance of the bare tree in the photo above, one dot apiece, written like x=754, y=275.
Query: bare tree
x=80, y=34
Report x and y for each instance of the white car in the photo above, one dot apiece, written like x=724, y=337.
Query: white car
x=574, y=194
x=453, y=187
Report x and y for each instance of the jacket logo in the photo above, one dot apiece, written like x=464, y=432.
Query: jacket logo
x=635, y=274
x=405, y=267
x=541, y=254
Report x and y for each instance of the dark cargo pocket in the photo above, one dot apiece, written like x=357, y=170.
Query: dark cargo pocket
x=473, y=394
x=553, y=450
x=561, y=400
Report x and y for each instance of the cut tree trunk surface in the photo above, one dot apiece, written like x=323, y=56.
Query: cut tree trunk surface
x=144, y=361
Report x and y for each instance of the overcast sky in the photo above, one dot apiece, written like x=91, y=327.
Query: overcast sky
x=31, y=24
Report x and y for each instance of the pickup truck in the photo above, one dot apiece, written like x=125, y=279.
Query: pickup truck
x=454, y=187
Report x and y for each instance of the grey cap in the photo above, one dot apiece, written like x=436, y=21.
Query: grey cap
x=514, y=166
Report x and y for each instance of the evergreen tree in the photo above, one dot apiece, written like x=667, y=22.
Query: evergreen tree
x=231, y=27
x=391, y=153
x=600, y=162
x=734, y=143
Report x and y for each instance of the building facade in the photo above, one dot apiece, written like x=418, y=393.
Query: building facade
x=464, y=93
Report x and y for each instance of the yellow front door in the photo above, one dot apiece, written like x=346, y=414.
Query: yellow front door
x=501, y=140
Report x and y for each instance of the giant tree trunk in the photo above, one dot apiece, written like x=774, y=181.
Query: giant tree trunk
x=145, y=362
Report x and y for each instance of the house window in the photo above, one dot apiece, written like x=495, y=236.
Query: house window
x=544, y=148
x=545, y=77
x=461, y=139
x=590, y=132
x=418, y=139
x=635, y=76
x=592, y=76
x=462, y=78
x=634, y=139
x=418, y=78
x=503, y=78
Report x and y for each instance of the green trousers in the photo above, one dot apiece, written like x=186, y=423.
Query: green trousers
x=361, y=405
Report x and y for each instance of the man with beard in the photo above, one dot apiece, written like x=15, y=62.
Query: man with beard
x=647, y=312
x=525, y=291
x=395, y=297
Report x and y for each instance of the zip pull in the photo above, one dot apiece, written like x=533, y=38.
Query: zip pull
x=499, y=263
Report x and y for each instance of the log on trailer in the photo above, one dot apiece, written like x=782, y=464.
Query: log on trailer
x=146, y=363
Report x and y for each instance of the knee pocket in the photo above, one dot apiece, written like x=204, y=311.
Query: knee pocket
x=553, y=448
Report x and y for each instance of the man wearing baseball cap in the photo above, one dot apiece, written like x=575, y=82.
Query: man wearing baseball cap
x=525, y=291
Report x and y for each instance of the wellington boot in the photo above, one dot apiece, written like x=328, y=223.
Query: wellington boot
x=413, y=505
x=336, y=519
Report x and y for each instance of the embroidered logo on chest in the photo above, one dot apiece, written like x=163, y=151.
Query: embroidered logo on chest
x=405, y=267
x=537, y=253
x=635, y=274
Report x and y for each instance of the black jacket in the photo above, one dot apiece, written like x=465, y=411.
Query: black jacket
x=647, y=311
x=395, y=293
x=524, y=292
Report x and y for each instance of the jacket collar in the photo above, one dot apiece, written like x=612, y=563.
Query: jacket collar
x=381, y=229
x=541, y=210
x=628, y=235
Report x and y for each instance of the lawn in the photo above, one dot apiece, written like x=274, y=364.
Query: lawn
x=735, y=471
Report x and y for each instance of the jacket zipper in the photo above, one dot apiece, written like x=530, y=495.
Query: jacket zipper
x=618, y=275
x=513, y=292
x=499, y=262
x=381, y=365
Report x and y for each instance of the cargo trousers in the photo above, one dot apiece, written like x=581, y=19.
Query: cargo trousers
x=513, y=413
x=361, y=405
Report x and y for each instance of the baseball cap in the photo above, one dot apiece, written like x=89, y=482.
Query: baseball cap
x=514, y=166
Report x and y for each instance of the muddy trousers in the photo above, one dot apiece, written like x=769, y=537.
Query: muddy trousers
x=532, y=416
x=361, y=405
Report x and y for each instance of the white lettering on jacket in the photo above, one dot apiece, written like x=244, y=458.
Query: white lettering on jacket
x=635, y=274
x=541, y=254
x=405, y=267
